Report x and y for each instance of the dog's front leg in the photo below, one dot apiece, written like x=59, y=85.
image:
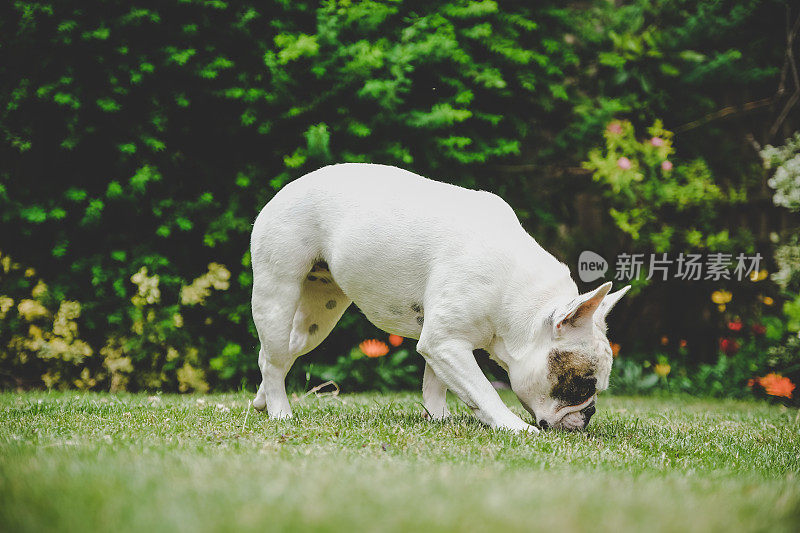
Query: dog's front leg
x=434, y=395
x=454, y=364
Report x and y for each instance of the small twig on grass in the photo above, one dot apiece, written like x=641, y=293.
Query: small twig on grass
x=246, y=414
x=315, y=390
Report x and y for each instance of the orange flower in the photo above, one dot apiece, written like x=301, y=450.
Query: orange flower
x=776, y=385
x=374, y=348
x=664, y=340
x=615, y=349
x=395, y=340
x=683, y=343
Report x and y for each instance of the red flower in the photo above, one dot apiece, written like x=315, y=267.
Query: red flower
x=728, y=346
x=624, y=163
x=666, y=166
x=759, y=329
x=395, y=340
x=776, y=385
x=374, y=348
x=735, y=326
x=683, y=343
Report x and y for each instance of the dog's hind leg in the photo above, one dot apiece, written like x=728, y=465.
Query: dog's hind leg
x=434, y=395
x=291, y=322
x=275, y=303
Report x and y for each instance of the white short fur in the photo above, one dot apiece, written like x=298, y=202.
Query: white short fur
x=422, y=259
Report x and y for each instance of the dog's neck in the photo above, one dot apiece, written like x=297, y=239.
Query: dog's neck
x=535, y=287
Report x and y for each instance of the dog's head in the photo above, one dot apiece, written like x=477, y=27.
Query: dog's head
x=569, y=362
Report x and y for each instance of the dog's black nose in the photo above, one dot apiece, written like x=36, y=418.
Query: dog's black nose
x=543, y=424
x=587, y=412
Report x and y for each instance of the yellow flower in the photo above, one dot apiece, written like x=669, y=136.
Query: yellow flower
x=721, y=297
x=216, y=277
x=758, y=275
x=172, y=354
x=39, y=290
x=64, y=324
x=721, y=308
x=31, y=310
x=148, y=292
x=662, y=369
x=768, y=301
x=30, y=272
x=6, y=303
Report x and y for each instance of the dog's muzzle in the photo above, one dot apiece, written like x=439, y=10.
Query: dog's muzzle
x=575, y=420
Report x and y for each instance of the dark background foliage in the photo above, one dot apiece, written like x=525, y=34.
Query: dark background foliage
x=150, y=136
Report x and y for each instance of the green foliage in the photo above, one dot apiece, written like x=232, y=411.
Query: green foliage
x=747, y=352
x=355, y=372
x=652, y=196
x=149, y=137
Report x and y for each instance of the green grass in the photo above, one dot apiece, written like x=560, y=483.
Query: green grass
x=82, y=462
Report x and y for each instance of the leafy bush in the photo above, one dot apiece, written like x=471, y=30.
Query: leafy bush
x=358, y=371
x=137, y=145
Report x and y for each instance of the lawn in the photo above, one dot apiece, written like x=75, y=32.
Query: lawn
x=83, y=462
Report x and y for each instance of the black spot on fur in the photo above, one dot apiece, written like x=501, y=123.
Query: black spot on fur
x=572, y=377
x=420, y=320
x=319, y=266
x=312, y=329
x=331, y=304
x=417, y=308
x=311, y=278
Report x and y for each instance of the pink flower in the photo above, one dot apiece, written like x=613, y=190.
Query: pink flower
x=666, y=165
x=624, y=163
x=614, y=127
x=657, y=141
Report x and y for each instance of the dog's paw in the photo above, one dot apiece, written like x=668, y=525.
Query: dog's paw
x=533, y=430
x=520, y=428
x=438, y=416
x=281, y=415
x=260, y=403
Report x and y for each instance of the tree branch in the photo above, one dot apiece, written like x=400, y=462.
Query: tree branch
x=790, y=35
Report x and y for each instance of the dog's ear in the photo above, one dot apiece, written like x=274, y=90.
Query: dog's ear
x=579, y=312
x=610, y=301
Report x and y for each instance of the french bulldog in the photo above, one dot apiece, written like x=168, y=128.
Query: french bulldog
x=448, y=266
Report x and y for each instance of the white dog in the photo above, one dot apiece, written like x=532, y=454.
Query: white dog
x=422, y=259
